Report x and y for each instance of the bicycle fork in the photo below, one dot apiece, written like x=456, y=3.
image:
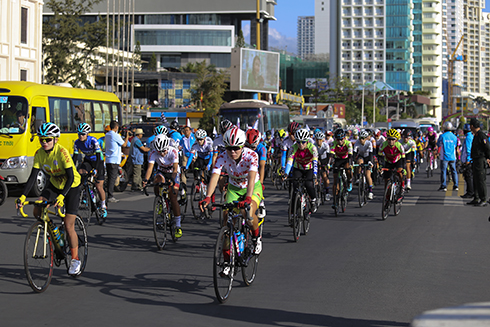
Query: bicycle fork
x=44, y=243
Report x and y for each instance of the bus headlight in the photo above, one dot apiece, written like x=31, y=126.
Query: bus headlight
x=15, y=163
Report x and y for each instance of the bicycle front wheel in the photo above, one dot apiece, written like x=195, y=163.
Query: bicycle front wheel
x=195, y=202
x=250, y=260
x=306, y=217
x=82, y=238
x=385, y=209
x=159, y=222
x=297, y=217
x=361, y=195
x=38, y=257
x=397, y=201
x=98, y=214
x=223, y=265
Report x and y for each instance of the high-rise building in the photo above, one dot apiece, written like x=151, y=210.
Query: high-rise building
x=323, y=32
x=306, y=36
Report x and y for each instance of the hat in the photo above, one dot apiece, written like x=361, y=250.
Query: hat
x=138, y=131
x=474, y=122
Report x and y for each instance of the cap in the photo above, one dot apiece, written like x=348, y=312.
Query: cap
x=139, y=131
x=475, y=122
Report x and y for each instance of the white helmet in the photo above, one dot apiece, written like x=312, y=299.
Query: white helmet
x=364, y=134
x=302, y=135
x=201, y=134
x=234, y=137
x=319, y=135
x=355, y=132
x=161, y=142
x=448, y=126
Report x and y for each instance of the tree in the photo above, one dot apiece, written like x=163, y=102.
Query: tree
x=137, y=55
x=152, y=65
x=70, y=47
x=240, y=42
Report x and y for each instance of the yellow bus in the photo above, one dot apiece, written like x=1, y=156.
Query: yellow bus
x=24, y=106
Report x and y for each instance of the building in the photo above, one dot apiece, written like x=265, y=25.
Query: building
x=306, y=36
x=323, y=31
x=21, y=40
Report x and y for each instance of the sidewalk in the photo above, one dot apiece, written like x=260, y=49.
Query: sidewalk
x=467, y=315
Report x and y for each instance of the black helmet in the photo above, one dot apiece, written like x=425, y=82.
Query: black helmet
x=339, y=134
x=174, y=125
x=407, y=133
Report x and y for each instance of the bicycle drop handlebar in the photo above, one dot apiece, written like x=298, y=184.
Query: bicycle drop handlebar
x=231, y=205
x=39, y=203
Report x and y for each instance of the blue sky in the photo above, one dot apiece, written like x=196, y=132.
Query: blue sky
x=282, y=32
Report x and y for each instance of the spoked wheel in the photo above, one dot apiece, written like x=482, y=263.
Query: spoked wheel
x=385, y=209
x=397, y=206
x=306, y=217
x=335, y=203
x=169, y=217
x=81, y=232
x=38, y=258
x=343, y=196
x=278, y=182
x=196, y=212
x=250, y=261
x=297, y=213
x=223, y=265
x=84, y=207
x=159, y=222
x=98, y=214
x=3, y=192
x=361, y=195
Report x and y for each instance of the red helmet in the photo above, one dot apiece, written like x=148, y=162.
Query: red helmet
x=253, y=137
x=293, y=127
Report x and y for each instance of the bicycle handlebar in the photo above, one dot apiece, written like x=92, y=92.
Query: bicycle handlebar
x=39, y=203
x=232, y=205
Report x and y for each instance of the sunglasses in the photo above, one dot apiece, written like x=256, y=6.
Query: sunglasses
x=391, y=139
x=46, y=139
x=81, y=134
x=302, y=142
x=233, y=148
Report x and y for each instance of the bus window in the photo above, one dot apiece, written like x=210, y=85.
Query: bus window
x=106, y=114
x=38, y=117
x=13, y=112
x=81, y=112
x=115, y=112
x=98, y=117
x=61, y=114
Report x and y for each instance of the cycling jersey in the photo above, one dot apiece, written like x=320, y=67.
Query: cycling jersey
x=261, y=151
x=323, y=150
x=90, y=148
x=238, y=173
x=54, y=164
x=363, y=150
x=174, y=135
x=409, y=147
x=341, y=150
x=380, y=141
x=218, y=144
x=305, y=159
x=392, y=154
x=165, y=163
x=203, y=151
x=329, y=141
x=432, y=140
x=286, y=145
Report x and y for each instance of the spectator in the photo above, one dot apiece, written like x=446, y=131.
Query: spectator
x=448, y=142
x=186, y=143
x=113, y=144
x=480, y=154
x=137, y=158
x=466, y=162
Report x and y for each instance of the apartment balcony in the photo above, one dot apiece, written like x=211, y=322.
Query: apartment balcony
x=436, y=31
x=434, y=20
x=433, y=73
x=431, y=52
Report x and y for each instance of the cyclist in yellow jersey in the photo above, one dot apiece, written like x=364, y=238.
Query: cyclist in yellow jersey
x=63, y=186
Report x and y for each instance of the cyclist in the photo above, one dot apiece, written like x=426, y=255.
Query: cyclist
x=341, y=152
x=268, y=141
x=94, y=159
x=329, y=138
x=242, y=165
x=174, y=133
x=355, y=136
x=218, y=144
x=63, y=186
x=287, y=144
x=323, y=151
x=252, y=142
x=409, y=146
x=166, y=158
x=363, y=150
x=394, y=155
x=431, y=145
x=420, y=143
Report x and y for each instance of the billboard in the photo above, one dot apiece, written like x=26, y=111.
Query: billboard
x=255, y=71
x=316, y=83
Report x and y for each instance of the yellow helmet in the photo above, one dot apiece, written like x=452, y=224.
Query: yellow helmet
x=282, y=133
x=393, y=133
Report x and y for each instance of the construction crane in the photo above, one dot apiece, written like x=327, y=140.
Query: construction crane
x=450, y=74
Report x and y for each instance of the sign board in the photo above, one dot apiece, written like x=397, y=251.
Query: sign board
x=316, y=83
x=475, y=111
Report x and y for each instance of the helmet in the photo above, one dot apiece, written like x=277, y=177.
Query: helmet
x=407, y=133
x=430, y=129
x=276, y=134
x=393, y=133
x=355, y=132
x=48, y=130
x=268, y=133
x=330, y=133
x=161, y=142
x=293, y=127
x=319, y=135
x=448, y=126
x=234, y=137
x=339, y=134
x=201, y=134
x=302, y=135
x=84, y=128
x=282, y=133
x=377, y=132
x=174, y=125
x=253, y=137
x=364, y=134
x=370, y=131
x=161, y=130
x=225, y=125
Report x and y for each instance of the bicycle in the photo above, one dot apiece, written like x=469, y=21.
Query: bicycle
x=363, y=187
x=234, y=249
x=299, y=209
x=45, y=244
x=199, y=190
x=90, y=202
x=162, y=215
x=340, y=193
x=393, y=195
x=430, y=163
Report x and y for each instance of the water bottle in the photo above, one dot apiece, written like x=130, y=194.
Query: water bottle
x=58, y=236
x=92, y=195
x=241, y=243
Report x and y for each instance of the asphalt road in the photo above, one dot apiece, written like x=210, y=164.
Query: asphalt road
x=351, y=270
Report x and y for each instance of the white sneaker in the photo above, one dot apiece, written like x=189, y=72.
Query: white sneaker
x=261, y=211
x=370, y=195
x=435, y=164
x=75, y=266
x=258, y=245
x=421, y=160
x=409, y=186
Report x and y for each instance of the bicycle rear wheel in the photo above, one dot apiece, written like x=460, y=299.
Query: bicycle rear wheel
x=361, y=195
x=297, y=217
x=223, y=265
x=159, y=222
x=84, y=207
x=397, y=205
x=37, y=265
x=250, y=261
x=81, y=232
x=343, y=196
x=385, y=209
x=306, y=217
x=195, y=202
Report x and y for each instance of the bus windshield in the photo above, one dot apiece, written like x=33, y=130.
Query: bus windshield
x=13, y=114
x=247, y=116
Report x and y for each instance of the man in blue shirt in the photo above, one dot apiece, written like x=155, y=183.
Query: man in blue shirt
x=138, y=158
x=186, y=143
x=466, y=162
x=113, y=144
x=448, y=143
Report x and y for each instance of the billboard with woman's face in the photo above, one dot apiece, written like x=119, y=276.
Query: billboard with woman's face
x=259, y=71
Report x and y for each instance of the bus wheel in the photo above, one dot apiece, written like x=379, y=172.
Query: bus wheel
x=39, y=185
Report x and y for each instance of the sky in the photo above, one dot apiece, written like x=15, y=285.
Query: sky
x=283, y=32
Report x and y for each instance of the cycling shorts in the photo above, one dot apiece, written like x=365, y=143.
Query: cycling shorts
x=365, y=160
x=88, y=165
x=168, y=177
x=237, y=194
x=397, y=166
x=410, y=156
x=340, y=163
x=72, y=199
